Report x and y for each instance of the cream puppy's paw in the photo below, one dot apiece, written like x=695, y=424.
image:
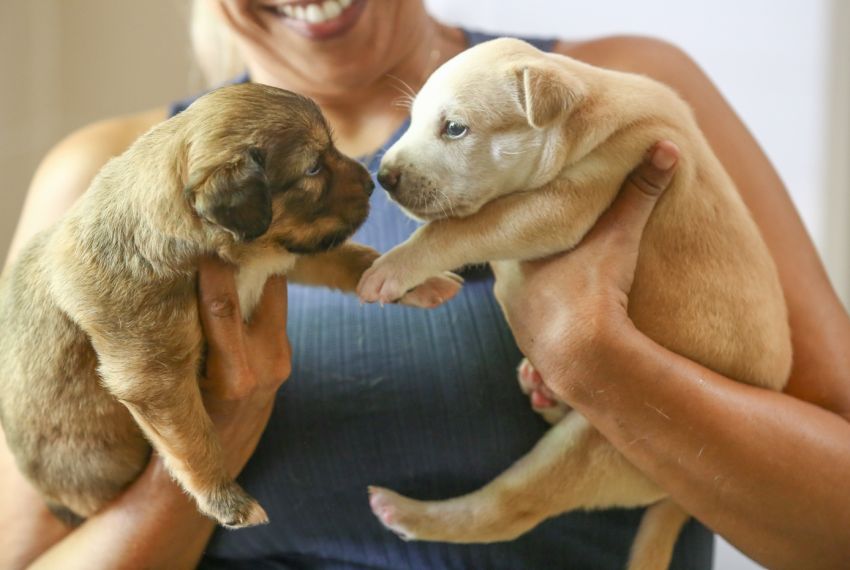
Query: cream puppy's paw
x=543, y=401
x=434, y=292
x=399, y=514
x=390, y=277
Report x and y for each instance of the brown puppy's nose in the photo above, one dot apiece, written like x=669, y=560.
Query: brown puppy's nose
x=389, y=178
x=369, y=186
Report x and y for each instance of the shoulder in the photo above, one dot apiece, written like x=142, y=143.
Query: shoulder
x=655, y=58
x=91, y=146
x=69, y=167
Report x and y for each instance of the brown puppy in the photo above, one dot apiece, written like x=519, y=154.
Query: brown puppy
x=513, y=154
x=101, y=343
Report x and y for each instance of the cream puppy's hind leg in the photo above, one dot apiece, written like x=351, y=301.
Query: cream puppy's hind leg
x=542, y=400
x=572, y=467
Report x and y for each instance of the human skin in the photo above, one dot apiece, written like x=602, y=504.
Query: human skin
x=785, y=510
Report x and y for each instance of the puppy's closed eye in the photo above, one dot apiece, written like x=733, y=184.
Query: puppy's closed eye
x=236, y=196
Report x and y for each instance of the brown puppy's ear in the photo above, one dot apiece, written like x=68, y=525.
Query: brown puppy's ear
x=544, y=94
x=236, y=196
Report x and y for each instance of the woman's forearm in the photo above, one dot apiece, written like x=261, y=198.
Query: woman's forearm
x=153, y=525
x=758, y=467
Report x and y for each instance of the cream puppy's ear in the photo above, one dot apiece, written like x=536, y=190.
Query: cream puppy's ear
x=235, y=196
x=546, y=93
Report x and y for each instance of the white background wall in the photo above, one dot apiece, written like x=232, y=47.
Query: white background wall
x=768, y=57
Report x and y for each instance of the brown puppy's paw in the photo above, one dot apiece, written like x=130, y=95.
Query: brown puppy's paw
x=232, y=507
x=434, y=291
x=543, y=401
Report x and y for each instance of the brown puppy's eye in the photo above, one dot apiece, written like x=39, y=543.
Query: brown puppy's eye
x=314, y=169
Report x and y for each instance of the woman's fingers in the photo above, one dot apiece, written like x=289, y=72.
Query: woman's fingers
x=267, y=332
x=229, y=376
x=624, y=221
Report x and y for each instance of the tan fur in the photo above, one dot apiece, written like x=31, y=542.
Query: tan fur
x=101, y=343
x=525, y=183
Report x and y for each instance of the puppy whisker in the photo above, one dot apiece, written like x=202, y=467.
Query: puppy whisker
x=403, y=86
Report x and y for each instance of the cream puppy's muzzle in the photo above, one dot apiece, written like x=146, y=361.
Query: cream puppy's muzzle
x=475, y=136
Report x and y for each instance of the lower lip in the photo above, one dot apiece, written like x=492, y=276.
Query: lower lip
x=329, y=28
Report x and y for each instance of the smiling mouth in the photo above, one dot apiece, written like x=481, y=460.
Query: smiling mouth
x=319, y=19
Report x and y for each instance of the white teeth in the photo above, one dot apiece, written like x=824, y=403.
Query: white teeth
x=331, y=9
x=315, y=13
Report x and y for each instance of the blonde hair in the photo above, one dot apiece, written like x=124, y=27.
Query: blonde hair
x=215, y=49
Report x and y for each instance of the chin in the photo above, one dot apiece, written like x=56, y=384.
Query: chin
x=431, y=215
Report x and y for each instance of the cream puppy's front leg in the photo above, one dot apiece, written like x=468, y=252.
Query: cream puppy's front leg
x=341, y=268
x=524, y=225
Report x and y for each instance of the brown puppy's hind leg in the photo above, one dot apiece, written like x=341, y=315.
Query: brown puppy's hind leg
x=160, y=389
x=180, y=430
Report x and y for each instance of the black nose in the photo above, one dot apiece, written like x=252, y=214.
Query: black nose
x=369, y=186
x=389, y=178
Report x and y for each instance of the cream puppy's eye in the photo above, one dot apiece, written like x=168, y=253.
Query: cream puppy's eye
x=454, y=130
x=314, y=169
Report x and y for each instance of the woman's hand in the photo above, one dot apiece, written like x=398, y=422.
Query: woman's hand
x=568, y=304
x=246, y=363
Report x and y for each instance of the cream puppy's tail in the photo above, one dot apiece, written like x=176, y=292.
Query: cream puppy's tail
x=656, y=537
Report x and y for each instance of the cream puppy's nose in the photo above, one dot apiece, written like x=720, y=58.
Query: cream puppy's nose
x=389, y=178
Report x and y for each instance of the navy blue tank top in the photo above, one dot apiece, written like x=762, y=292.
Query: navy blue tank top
x=423, y=402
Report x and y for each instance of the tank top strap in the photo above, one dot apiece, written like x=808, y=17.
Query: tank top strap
x=475, y=38
x=181, y=105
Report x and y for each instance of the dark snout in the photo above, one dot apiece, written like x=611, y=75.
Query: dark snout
x=389, y=178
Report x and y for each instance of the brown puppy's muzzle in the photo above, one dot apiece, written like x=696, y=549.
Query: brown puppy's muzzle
x=336, y=215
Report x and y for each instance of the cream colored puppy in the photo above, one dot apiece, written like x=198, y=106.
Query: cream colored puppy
x=512, y=154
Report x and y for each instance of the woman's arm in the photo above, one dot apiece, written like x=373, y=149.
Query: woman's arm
x=765, y=470
x=153, y=524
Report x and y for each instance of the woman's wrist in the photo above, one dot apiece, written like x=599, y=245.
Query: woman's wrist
x=593, y=360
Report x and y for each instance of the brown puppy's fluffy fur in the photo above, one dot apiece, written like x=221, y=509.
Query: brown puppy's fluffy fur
x=101, y=343
x=549, y=143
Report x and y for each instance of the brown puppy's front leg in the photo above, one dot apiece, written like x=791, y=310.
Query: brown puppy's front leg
x=341, y=268
x=525, y=225
x=165, y=400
